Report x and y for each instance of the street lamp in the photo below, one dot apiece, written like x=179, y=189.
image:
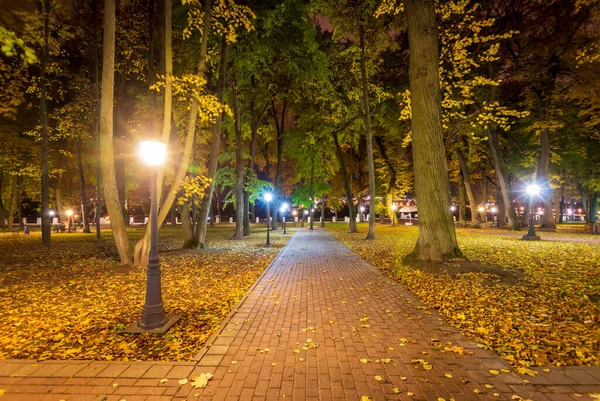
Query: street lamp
x=69, y=215
x=153, y=154
x=494, y=210
x=295, y=213
x=532, y=190
x=394, y=207
x=282, y=210
x=268, y=198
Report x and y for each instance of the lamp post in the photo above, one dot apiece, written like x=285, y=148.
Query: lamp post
x=532, y=190
x=69, y=216
x=268, y=197
x=154, y=318
x=282, y=210
x=494, y=209
x=362, y=212
x=295, y=213
x=394, y=207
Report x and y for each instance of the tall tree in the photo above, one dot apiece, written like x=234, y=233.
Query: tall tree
x=437, y=236
x=111, y=194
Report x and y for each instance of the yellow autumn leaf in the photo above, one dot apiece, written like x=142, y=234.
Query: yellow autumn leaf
x=526, y=371
x=494, y=371
x=183, y=381
x=489, y=386
x=410, y=394
x=162, y=381
x=448, y=375
x=378, y=378
x=201, y=381
x=396, y=390
x=364, y=360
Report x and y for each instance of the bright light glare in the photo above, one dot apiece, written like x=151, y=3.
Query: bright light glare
x=268, y=197
x=394, y=207
x=362, y=208
x=153, y=153
x=306, y=212
x=494, y=210
x=481, y=208
x=294, y=212
x=453, y=208
x=51, y=212
x=284, y=206
x=69, y=213
x=533, y=189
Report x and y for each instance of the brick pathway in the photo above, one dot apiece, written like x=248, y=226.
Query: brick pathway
x=320, y=324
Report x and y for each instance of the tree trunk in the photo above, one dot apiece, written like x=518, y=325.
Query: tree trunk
x=469, y=188
x=200, y=235
x=322, y=212
x=347, y=189
x=97, y=127
x=557, y=203
x=44, y=122
x=462, y=201
x=142, y=247
x=501, y=214
x=484, y=198
x=84, y=205
x=186, y=225
x=280, y=128
x=513, y=220
x=437, y=235
x=13, y=202
x=312, y=192
x=239, y=168
x=361, y=214
x=389, y=201
x=542, y=179
x=119, y=146
x=367, y=118
x=111, y=194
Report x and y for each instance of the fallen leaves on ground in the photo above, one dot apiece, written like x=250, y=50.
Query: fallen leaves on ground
x=534, y=303
x=71, y=301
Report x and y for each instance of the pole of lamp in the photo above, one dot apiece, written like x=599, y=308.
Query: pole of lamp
x=153, y=314
x=531, y=235
x=268, y=225
x=283, y=217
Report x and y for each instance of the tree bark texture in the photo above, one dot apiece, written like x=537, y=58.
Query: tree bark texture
x=111, y=195
x=469, y=188
x=322, y=212
x=239, y=168
x=437, y=235
x=368, y=134
x=542, y=179
x=513, y=220
x=215, y=144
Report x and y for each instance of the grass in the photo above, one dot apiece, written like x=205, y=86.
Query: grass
x=534, y=303
x=72, y=300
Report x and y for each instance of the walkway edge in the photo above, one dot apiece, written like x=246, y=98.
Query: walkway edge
x=234, y=310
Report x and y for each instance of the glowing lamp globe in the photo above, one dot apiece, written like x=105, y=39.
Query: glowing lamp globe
x=533, y=189
x=394, y=207
x=294, y=212
x=268, y=197
x=69, y=213
x=494, y=210
x=481, y=208
x=52, y=213
x=153, y=153
x=306, y=212
x=453, y=208
x=362, y=208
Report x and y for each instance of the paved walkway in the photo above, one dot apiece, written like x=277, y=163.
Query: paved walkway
x=319, y=325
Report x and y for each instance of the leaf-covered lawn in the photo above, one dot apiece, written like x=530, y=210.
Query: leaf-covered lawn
x=72, y=301
x=534, y=303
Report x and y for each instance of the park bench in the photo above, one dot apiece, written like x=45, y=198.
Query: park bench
x=59, y=228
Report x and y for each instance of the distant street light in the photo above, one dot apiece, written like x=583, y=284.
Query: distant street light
x=268, y=197
x=295, y=213
x=154, y=154
x=394, y=207
x=453, y=208
x=532, y=190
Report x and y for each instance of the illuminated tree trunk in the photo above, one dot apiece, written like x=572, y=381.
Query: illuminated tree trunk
x=542, y=178
x=111, y=195
x=186, y=225
x=85, y=211
x=3, y=213
x=239, y=168
x=367, y=118
x=437, y=236
x=469, y=188
x=213, y=159
x=143, y=246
